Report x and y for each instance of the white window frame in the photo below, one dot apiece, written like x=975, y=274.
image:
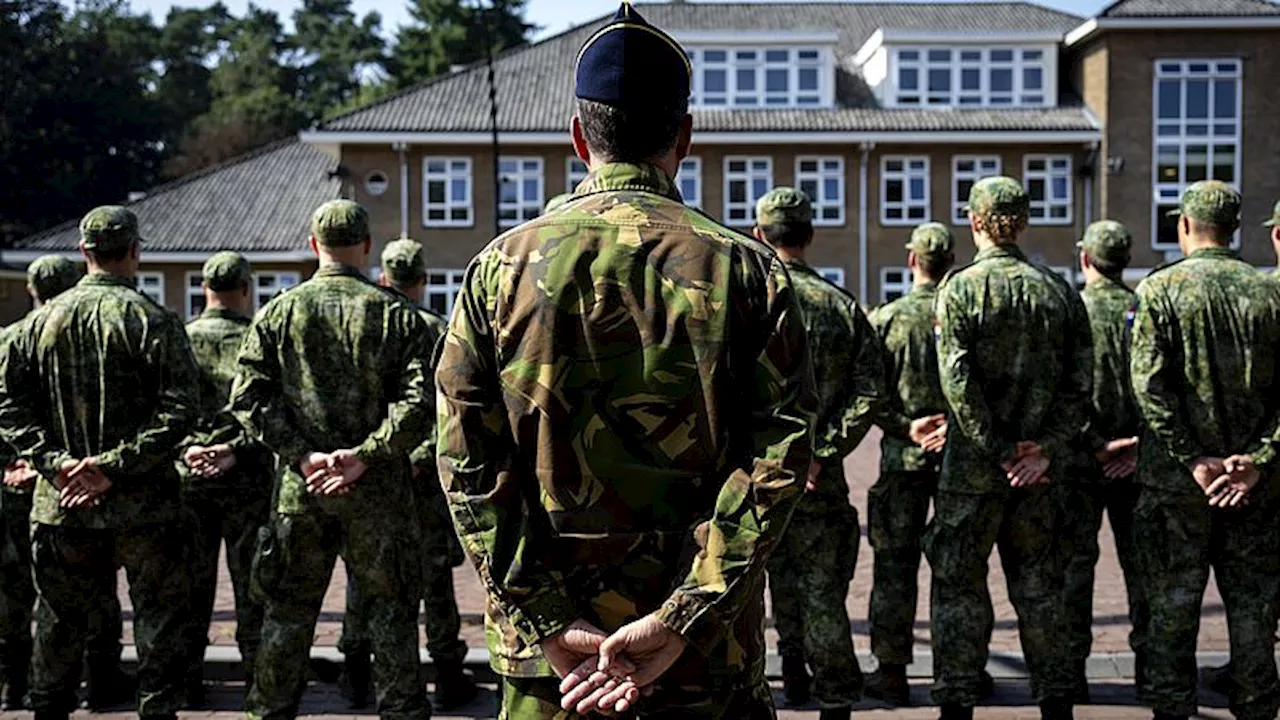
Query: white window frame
x=981, y=59
x=280, y=280
x=448, y=176
x=194, y=283
x=1054, y=166
x=524, y=210
x=575, y=171
x=741, y=63
x=828, y=167
x=144, y=278
x=907, y=203
x=983, y=166
x=738, y=214
x=449, y=289
x=834, y=275
x=1173, y=133
x=690, y=171
x=901, y=286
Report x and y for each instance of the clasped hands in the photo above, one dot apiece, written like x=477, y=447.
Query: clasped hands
x=209, y=462
x=20, y=475
x=332, y=474
x=81, y=483
x=1225, y=481
x=609, y=674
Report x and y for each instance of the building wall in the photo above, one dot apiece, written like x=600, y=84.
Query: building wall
x=14, y=302
x=175, y=278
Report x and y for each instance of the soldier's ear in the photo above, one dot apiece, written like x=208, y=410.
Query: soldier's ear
x=314, y=245
x=1275, y=235
x=579, y=140
x=684, y=140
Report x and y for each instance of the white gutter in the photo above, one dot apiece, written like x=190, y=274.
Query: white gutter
x=22, y=257
x=719, y=137
x=864, y=156
x=1092, y=27
x=400, y=149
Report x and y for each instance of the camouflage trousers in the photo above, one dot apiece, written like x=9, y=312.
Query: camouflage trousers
x=17, y=587
x=210, y=516
x=294, y=562
x=75, y=573
x=1082, y=508
x=1177, y=539
x=539, y=699
x=897, y=513
x=964, y=529
x=809, y=574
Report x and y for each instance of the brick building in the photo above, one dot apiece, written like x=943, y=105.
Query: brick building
x=885, y=113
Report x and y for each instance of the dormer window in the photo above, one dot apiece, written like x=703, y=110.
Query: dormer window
x=778, y=70
x=970, y=77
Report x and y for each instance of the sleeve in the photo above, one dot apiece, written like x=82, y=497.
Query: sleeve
x=177, y=407
x=890, y=416
x=966, y=398
x=257, y=396
x=423, y=457
x=864, y=394
x=756, y=500
x=408, y=422
x=20, y=425
x=1154, y=368
x=479, y=476
x=1264, y=449
x=1072, y=403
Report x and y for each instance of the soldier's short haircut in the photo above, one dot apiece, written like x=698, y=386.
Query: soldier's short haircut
x=935, y=266
x=1219, y=233
x=631, y=134
x=110, y=256
x=1109, y=268
x=788, y=235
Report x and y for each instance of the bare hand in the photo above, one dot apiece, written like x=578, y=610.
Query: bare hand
x=81, y=483
x=1121, y=467
x=1029, y=466
x=811, y=482
x=1206, y=470
x=20, y=475
x=1118, y=458
x=210, y=462
x=930, y=432
x=1232, y=488
x=646, y=644
x=574, y=656
x=341, y=470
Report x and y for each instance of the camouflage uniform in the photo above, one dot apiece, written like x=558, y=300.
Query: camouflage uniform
x=1009, y=325
x=603, y=444
x=810, y=570
x=898, y=503
x=1203, y=363
x=104, y=372
x=337, y=362
x=1112, y=416
x=234, y=506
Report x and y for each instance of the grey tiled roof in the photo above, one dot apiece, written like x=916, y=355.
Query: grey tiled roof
x=535, y=88
x=1191, y=8
x=261, y=202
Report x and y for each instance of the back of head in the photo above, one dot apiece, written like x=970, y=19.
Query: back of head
x=227, y=272
x=1107, y=244
x=1213, y=209
x=49, y=276
x=403, y=262
x=632, y=82
x=108, y=232
x=785, y=218
x=1000, y=207
x=934, y=247
x=340, y=224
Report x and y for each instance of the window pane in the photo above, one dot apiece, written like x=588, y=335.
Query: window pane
x=531, y=191
x=893, y=166
x=1001, y=56
x=893, y=191
x=460, y=214
x=713, y=81
x=746, y=80
x=435, y=192
x=808, y=78
x=1197, y=163
x=1224, y=163
x=940, y=80
x=1170, y=102
x=810, y=188
x=459, y=194
x=1032, y=54
x=971, y=55
x=909, y=55
x=435, y=166
x=970, y=79
x=1167, y=164
x=808, y=54
x=831, y=189
x=748, y=55
x=1035, y=189
x=939, y=56
x=909, y=79
x=737, y=191
x=777, y=56
x=509, y=193
x=1197, y=99
x=1166, y=227
x=759, y=186
x=1001, y=80
x=715, y=56
x=776, y=80
x=963, y=188
x=1032, y=78
x=1224, y=99
x=917, y=188
x=1059, y=188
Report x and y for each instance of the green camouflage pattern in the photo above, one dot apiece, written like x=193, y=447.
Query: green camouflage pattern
x=227, y=271
x=109, y=227
x=52, y=275
x=539, y=699
x=1113, y=413
x=998, y=197
x=101, y=371
x=906, y=331
x=1202, y=359
x=784, y=205
x=556, y=203
x=897, y=511
x=932, y=240
x=1211, y=201
x=1108, y=241
x=603, y=445
x=340, y=223
x=403, y=262
x=338, y=362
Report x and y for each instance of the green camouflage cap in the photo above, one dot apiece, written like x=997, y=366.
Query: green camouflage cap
x=784, y=205
x=1210, y=201
x=1275, y=217
x=227, y=271
x=109, y=227
x=998, y=196
x=556, y=203
x=50, y=276
x=340, y=223
x=931, y=240
x=403, y=263
x=1108, y=241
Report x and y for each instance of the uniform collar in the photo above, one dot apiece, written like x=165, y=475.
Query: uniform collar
x=210, y=313
x=1223, y=253
x=925, y=289
x=1007, y=250
x=339, y=270
x=105, y=280
x=615, y=177
x=1104, y=283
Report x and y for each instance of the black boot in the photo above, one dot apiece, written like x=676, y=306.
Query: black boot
x=14, y=696
x=1081, y=695
x=109, y=686
x=1157, y=715
x=795, y=680
x=195, y=694
x=52, y=715
x=455, y=686
x=954, y=711
x=840, y=713
x=358, y=679
x=986, y=686
x=1056, y=710
x=889, y=684
x=1218, y=679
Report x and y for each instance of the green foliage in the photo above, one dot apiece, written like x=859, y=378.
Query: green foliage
x=445, y=33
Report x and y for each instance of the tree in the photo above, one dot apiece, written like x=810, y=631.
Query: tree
x=190, y=44
x=332, y=50
x=446, y=33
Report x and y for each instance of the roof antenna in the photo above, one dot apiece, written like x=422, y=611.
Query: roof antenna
x=493, y=117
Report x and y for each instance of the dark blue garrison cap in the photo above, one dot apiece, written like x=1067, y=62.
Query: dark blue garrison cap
x=632, y=63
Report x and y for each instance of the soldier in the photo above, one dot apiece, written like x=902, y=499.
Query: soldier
x=97, y=389
x=333, y=378
x=810, y=570
x=556, y=203
x=1203, y=364
x=227, y=478
x=1003, y=323
x=914, y=425
x=404, y=272
x=1110, y=449
x=625, y=402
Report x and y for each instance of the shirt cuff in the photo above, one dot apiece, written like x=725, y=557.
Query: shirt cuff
x=693, y=619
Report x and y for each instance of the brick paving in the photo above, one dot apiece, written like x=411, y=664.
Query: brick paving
x=1111, y=625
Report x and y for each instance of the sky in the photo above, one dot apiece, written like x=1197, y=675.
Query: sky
x=552, y=16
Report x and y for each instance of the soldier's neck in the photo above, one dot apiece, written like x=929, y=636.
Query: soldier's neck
x=789, y=254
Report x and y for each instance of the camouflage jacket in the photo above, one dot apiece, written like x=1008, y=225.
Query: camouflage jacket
x=8, y=455
x=1113, y=415
x=101, y=371
x=215, y=341
x=850, y=383
x=336, y=362
x=1015, y=362
x=1203, y=361
x=625, y=410
x=906, y=329
x=424, y=456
